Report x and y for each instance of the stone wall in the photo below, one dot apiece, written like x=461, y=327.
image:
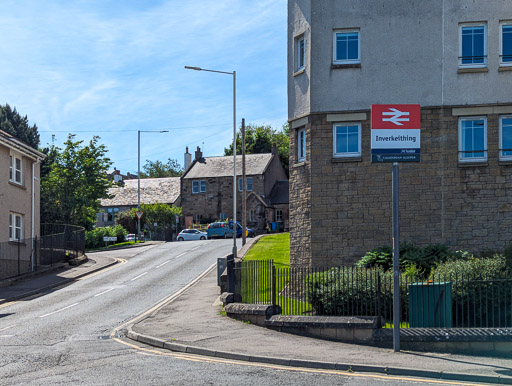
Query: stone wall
x=341, y=209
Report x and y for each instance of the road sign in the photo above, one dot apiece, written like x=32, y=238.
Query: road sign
x=106, y=238
x=396, y=133
x=139, y=214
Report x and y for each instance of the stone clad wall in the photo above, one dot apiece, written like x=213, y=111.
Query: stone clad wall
x=343, y=209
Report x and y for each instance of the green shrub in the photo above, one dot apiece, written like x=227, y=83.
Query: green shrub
x=94, y=238
x=481, y=289
x=410, y=255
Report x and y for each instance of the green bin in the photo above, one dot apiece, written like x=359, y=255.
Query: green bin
x=430, y=304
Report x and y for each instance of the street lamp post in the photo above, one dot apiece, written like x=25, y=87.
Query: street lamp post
x=138, y=172
x=234, y=149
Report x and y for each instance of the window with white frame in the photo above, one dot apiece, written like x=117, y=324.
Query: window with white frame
x=199, y=218
x=506, y=138
x=252, y=215
x=347, y=139
x=279, y=215
x=15, y=169
x=301, y=145
x=473, y=45
x=223, y=217
x=300, y=53
x=346, y=47
x=15, y=226
x=248, y=181
x=506, y=44
x=198, y=186
x=473, y=139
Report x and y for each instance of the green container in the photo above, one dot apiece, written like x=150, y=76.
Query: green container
x=430, y=304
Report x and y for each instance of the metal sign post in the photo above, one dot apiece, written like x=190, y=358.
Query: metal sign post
x=396, y=262
x=396, y=138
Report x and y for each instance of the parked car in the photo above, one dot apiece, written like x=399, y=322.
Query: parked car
x=192, y=234
x=130, y=237
x=219, y=229
x=249, y=232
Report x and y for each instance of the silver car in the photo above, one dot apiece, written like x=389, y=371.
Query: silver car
x=191, y=234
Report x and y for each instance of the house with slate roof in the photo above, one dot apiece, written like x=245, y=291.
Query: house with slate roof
x=207, y=188
x=124, y=197
x=271, y=210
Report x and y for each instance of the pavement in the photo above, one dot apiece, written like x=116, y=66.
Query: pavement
x=193, y=322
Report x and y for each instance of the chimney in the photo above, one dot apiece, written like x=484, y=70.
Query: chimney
x=199, y=154
x=188, y=159
x=274, y=148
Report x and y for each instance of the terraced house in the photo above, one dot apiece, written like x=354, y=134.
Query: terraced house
x=19, y=203
x=454, y=58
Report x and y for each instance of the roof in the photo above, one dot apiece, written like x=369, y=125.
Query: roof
x=280, y=193
x=14, y=143
x=152, y=191
x=223, y=166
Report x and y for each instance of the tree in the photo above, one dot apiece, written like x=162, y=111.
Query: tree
x=158, y=169
x=13, y=123
x=162, y=214
x=75, y=182
x=259, y=139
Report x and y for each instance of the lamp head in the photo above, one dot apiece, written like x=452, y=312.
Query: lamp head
x=193, y=68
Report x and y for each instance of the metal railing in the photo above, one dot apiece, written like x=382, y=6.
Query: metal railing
x=59, y=243
x=460, y=300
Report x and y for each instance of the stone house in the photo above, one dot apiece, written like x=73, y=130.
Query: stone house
x=454, y=58
x=207, y=188
x=125, y=196
x=19, y=200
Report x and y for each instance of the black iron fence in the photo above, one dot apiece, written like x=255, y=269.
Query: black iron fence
x=58, y=243
x=464, y=300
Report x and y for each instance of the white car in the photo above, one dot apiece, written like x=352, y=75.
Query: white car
x=192, y=234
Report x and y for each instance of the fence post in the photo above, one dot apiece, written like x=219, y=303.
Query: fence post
x=19, y=246
x=274, y=289
x=230, y=265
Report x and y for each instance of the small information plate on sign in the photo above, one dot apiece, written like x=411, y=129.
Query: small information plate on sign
x=106, y=238
x=396, y=133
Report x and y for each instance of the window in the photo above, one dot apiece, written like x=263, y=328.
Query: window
x=198, y=186
x=301, y=145
x=252, y=215
x=279, y=215
x=15, y=174
x=473, y=46
x=347, y=47
x=347, y=140
x=300, y=51
x=199, y=217
x=473, y=139
x=506, y=138
x=15, y=226
x=248, y=181
x=223, y=217
x=506, y=44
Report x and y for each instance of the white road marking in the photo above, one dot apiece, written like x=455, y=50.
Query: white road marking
x=104, y=292
x=6, y=336
x=62, y=309
x=6, y=328
x=137, y=277
x=165, y=262
x=193, y=249
x=182, y=254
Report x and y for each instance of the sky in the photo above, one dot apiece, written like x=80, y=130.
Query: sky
x=111, y=68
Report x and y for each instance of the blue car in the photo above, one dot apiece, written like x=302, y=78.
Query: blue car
x=250, y=232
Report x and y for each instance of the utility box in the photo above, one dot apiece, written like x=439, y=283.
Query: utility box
x=221, y=266
x=430, y=305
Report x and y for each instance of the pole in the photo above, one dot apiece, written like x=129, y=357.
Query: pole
x=234, y=166
x=244, y=187
x=138, y=183
x=396, y=263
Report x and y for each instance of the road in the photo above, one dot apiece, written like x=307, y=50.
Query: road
x=64, y=336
